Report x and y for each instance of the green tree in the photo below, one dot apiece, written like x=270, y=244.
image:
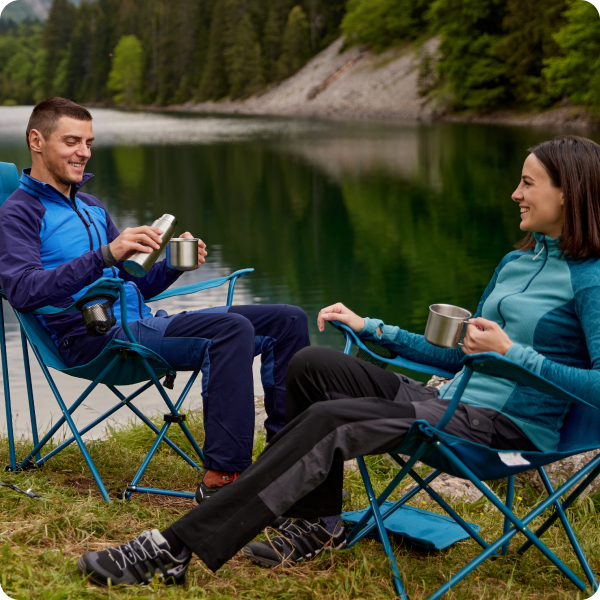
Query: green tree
x=61, y=21
x=575, y=72
x=214, y=83
x=471, y=75
x=528, y=39
x=244, y=60
x=295, y=43
x=126, y=73
x=384, y=23
x=273, y=34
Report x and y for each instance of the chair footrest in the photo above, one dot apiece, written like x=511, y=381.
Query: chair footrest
x=169, y=418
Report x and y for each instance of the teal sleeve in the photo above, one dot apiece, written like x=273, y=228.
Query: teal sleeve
x=414, y=346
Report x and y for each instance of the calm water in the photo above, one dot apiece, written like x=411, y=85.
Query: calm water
x=385, y=218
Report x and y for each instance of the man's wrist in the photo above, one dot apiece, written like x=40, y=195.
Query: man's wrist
x=107, y=255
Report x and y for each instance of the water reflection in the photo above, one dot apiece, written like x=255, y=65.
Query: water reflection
x=385, y=218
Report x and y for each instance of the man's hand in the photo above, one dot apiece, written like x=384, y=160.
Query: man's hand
x=485, y=336
x=135, y=239
x=201, y=250
x=338, y=312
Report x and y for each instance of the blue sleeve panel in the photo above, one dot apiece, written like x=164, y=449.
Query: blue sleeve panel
x=50, y=253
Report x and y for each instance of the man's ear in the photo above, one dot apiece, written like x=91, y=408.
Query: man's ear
x=36, y=140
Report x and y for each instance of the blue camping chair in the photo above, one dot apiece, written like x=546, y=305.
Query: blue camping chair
x=448, y=454
x=120, y=363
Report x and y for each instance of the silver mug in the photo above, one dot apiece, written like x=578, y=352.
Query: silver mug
x=182, y=254
x=446, y=325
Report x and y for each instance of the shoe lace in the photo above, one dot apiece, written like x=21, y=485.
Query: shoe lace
x=297, y=529
x=141, y=549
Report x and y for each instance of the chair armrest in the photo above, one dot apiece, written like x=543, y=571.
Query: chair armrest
x=404, y=363
x=104, y=285
x=204, y=285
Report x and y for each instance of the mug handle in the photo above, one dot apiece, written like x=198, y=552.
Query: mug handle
x=465, y=323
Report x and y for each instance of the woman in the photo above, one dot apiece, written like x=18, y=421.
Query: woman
x=540, y=310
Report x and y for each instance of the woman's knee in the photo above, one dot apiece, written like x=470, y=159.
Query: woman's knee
x=310, y=361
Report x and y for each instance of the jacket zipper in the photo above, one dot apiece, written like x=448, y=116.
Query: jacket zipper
x=94, y=225
x=528, y=283
x=87, y=225
x=135, y=287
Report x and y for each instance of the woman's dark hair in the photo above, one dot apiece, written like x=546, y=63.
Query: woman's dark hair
x=46, y=114
x=573, y=164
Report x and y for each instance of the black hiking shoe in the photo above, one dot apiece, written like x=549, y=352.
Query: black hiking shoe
x=136, y=563
x=298, y=540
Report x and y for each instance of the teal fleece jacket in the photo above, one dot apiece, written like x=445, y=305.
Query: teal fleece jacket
x=550, y=308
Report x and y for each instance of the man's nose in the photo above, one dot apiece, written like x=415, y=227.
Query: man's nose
x=84, y=151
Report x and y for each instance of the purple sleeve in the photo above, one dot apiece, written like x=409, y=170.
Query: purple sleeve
x=157, y=280
x=24, y=281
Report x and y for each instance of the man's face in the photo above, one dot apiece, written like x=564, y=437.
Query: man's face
x=67, y=150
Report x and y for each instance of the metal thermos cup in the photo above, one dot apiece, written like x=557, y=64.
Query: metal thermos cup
x=140, y=263
x=182, y=254
x=446, y=325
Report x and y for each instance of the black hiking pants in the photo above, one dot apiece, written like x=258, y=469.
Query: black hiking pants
x=338, y=408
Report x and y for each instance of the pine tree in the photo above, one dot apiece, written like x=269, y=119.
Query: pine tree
x=126, y=73
x=214, y=83
x=57, y=35
x=273, y=34
x=244, y=60
x=295, y=43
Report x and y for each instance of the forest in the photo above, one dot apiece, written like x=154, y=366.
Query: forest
x=494, y=54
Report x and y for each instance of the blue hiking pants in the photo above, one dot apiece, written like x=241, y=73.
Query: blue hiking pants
x=222, y=343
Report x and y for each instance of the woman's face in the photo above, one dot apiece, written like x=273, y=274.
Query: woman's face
x=540, y=202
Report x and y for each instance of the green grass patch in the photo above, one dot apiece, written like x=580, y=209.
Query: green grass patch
x=41, y=539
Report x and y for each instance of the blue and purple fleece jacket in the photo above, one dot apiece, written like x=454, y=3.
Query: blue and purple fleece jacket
x=51, y=252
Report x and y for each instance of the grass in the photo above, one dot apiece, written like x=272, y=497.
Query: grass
x=41, y=539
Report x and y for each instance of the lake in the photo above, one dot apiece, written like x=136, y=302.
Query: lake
x=386, y=218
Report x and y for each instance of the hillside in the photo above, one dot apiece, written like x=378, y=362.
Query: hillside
x=353, y=84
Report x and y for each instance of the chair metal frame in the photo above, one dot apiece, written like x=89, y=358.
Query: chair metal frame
x=475, y=463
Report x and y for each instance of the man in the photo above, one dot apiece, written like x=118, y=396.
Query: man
x=56, y=240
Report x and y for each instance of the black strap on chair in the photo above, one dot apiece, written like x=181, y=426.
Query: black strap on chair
x=376, y=349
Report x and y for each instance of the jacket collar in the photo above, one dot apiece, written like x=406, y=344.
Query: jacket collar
x=42, y=189
x=544, y=241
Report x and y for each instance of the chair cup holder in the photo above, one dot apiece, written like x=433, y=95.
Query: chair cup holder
x=98, y=314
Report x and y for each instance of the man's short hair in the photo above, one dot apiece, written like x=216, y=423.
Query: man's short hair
x=46, y=114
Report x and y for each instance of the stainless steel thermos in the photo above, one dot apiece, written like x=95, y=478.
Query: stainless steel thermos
x=141, y=262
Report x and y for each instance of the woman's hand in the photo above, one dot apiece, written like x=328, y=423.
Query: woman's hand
x=201, y=250
x=485, y=336
x=338, y=312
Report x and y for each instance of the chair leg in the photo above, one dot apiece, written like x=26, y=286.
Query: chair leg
x=510, y=494
x=69, y=420
x=34, y=427
x=385, y=540
x=360, y=529
x=7, y=403
x=424, y=485
x=572, y=497
x=569, y=531
x=519, y=525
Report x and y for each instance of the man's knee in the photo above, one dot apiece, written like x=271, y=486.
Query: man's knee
x=297, y=315
x=239, y=327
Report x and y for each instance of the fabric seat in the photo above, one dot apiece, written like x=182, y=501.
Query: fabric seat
x=120, y=363
x=468, y=460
